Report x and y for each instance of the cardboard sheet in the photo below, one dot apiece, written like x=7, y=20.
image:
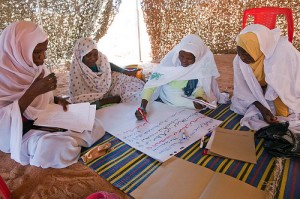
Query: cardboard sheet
x=227, y=187
x=238, y=145
x=177, y=179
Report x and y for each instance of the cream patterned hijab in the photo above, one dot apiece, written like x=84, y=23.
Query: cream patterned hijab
x=86, y=85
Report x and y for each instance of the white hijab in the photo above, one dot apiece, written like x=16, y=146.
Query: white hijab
x=86, y=85
x=204, y=69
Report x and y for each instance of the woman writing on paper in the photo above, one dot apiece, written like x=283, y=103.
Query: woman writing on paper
x=266, y=78
x=25, y=90
x=93, y=79
x=188, y=69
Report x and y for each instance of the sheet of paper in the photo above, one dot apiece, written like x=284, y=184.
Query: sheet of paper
x=177, y=179
x=238, y=145
x=91, y=120
x=162, y=137
x=79, y=117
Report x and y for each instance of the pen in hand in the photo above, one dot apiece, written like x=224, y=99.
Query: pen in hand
x=144, y=116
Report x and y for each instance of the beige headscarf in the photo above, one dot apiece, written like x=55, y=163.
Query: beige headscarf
x=250, y=44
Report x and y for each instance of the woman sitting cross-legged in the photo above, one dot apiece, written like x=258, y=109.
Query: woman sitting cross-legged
x=188, y=69
x=93, y=79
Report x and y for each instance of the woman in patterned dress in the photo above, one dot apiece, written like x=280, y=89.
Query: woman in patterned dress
x=93, y=79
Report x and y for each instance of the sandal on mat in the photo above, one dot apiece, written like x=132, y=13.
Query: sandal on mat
x=96, y=152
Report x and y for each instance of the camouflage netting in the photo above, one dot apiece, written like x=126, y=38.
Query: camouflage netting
x=64, y=21
x=217, y=22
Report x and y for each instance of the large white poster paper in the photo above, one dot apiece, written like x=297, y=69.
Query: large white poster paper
x=162, y=137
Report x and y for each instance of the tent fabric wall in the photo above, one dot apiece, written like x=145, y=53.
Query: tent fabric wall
x=64, y=21
x=217, y=22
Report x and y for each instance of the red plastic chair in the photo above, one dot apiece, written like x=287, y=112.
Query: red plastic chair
x=4, y=191
x=267, y=17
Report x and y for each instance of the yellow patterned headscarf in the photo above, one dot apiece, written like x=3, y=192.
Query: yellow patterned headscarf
x=250, y=44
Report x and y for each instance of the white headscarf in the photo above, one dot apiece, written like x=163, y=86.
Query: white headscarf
x=86, y=85
x=204, y=68
x=267, y=38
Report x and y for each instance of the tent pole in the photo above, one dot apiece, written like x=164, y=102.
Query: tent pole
x=138, y=29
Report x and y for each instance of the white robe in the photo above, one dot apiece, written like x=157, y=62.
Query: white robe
x=41, y=148
x=282, y=74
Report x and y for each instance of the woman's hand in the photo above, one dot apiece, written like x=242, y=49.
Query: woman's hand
x=40, y=86
x=61, y=101
x=198, y=105
x=131, y=72
x=43, y=84
x=109, y=100
x=266, y=113
x=142, y=110
x=140, y=113
x=268, y=116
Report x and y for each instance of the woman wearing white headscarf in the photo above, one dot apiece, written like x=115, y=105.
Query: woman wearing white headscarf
x=188, y=69
x=93, y=79
x=26, y=90
x=266, y=78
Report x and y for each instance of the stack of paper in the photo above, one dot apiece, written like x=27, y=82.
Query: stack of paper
x=78, y=117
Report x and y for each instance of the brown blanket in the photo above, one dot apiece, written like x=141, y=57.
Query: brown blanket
x=75, y=181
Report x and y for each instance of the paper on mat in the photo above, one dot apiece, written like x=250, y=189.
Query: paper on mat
x=179, y=179
x=161, y=138
x=79, y=117
x=238, y=145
